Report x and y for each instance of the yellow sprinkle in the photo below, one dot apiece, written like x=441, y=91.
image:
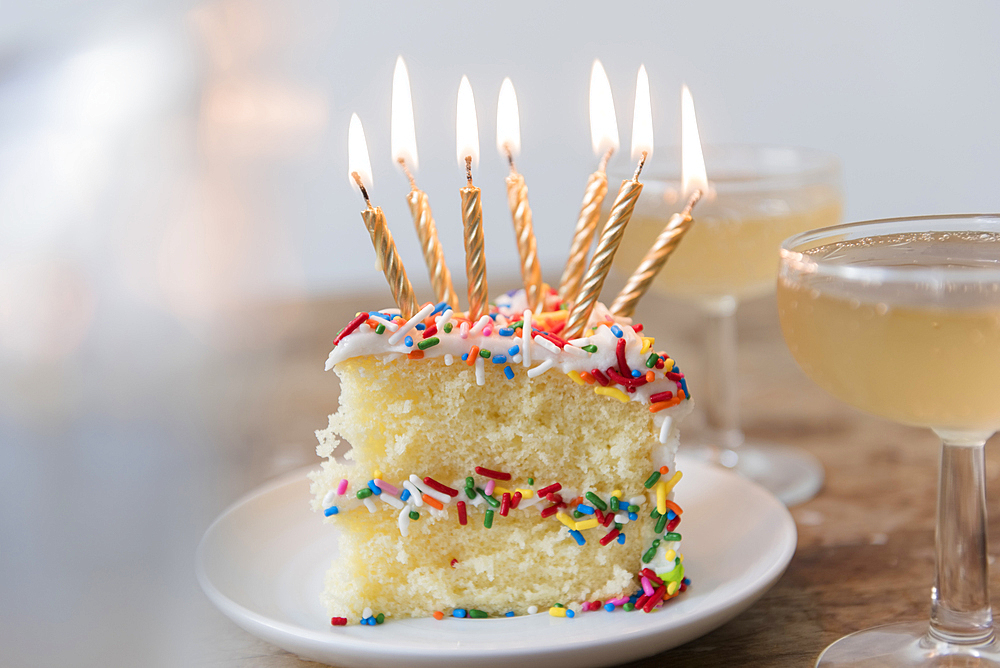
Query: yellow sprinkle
x=673, y=587
x=612, y=392
x=557, y=612
x=525, y=493
x=566, y=519
x=661, y=497
x=670, y=555
x=575, y=376
x=647, y=343
x=669, y=485
x=617, y=493
x=668, y=364
x=377, y=474
x=681, y=557
x=587, y=524
x=500, y=491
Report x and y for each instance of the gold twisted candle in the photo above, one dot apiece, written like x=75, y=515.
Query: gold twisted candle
x=586, y=224
x=423, y=220
x=388, y=258
x=520, y=212
x=665, y=244
x=475, y=253
x=600, y=264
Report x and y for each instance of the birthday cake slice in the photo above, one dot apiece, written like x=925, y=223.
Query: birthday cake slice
x=497, y=468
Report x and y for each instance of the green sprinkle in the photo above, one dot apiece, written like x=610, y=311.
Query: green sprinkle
x=661, y=524
x=591, y=348
x=654, y=513
x=648, y=556
x=652, y=360
x=614, y=504
x=488, y=519
x=380, y=329
x=676, y=574
x=470, y=481
x=558, y=605
x=577, y=514
x=470, y=492
x=651, y=480
x=633, y=508
x=519, y=323
x=596, y=500
x=489, y=499
x=628, y=607
x=531, y=481
x=656, y=542
x=671, y=537
x=447, y=327
x=414, y=515
x=427, y=343
x=478, y=614
x=380, y=618
x=364, y=493
x=619, y=525
x=484, y=353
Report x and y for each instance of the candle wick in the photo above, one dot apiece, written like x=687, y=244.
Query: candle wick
x=694, y=199
x=406, y=170
x=468, y=169
x=510, y=158
x=638, y=170
x=364, y=193
x=603, y=165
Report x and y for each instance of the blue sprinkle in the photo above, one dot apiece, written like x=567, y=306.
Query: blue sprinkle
x=499, y=359
x=635, y=373
x=585, y=509
x=459, y=612
x=609, y=607
x=493, y=316
x=513, y=350
x=621, y=539
x=507, y=371
x=676, y=369
x=686, y=581
x=671, y=515
x=332, y=510
x=405, y=496
x=617, y=331
x=632, y=517
x=465, y=356
x=633, y=598
x=577, y=536
x=408, y=341
x=684, y=386
x=509, y=614
x=506, y=331
x=421, y=327
x=440, y=308
x=570, y=614
x=376, y=490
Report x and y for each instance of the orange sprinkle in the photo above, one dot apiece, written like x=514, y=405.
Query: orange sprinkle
x=438, y=614
x=664, y=470
x=674, y=507
x=416, y=355
x=473, y=354
x=431, y=501
x=371, y=323
x=660, y=405
x=650, y=376
x=587, y=377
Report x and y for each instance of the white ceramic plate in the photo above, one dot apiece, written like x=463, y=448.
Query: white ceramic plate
x=262, y=563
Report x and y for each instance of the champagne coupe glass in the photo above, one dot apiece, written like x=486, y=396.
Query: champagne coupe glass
x=901, y=318
x=759, y=195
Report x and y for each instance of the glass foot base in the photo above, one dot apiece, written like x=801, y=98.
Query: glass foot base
x=791, y=474
x=904, y=645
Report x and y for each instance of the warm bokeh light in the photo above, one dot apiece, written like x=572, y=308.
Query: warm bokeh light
x=357, y=154
x=642, y=117
x=508, y=120
x=467, y=131
x=603, y=121
x=693, y=174
x=403, y=136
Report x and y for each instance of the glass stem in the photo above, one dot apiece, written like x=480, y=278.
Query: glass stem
x=960, y=600
x=720, y=393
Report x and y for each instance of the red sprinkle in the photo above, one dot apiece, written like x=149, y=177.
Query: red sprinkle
x=555, y=498
x=609, y=517
x=637, y=327
x=600, y=515
x=674, y=376
x=489, y=473
x=505, y=504
x=601, y=378
x=661, y=396
x=672, y=524
x=454, y=561
x=351, y=326
x=551, y=510
x=551, y=337
x=683, y=587
x=558, y=327
x=551, y=489
x=430, y=331
x=622, y=362
x=444, y=489
x=653, y=577
x=610, y=536
x=627, y=381
x=516, y=499
x=654, y=599
x=338, y=621
x=462, y=518
x=641, y=601
x=659, y=364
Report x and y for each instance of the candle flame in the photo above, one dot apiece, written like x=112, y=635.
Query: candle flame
x=357, y=154
x=693, y=174
x=508, y=121
x=467, y=131
x=603, y=122
x=642, y=118
x=403, y=136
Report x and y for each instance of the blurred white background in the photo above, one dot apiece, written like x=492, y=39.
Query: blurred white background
x=164, y=165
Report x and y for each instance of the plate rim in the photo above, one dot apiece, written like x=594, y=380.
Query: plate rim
x=271, y=630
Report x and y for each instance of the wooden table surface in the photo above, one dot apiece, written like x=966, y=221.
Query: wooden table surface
x=865, y=546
